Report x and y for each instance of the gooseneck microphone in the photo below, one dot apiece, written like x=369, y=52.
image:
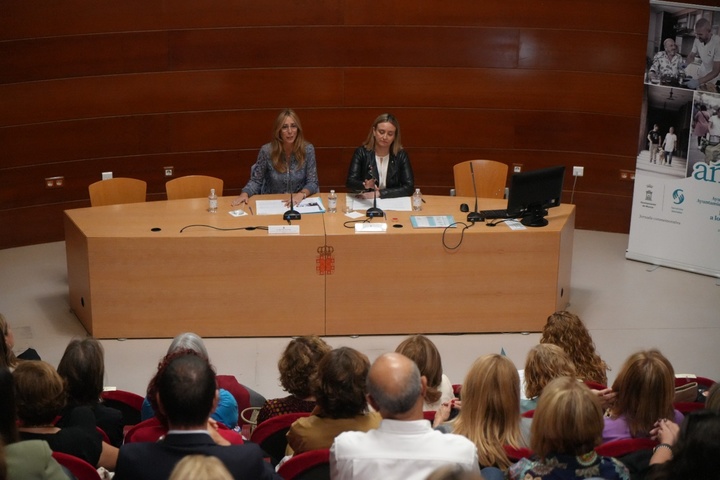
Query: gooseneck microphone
x=474, y=216
x=374, y=211
x=290, y=214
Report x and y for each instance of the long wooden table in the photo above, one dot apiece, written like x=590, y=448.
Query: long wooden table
x=132, y=274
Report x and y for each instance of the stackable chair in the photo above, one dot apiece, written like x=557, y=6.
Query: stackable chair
x=118, y=190
x=193, y=186
x=81, y=469
x=270, y=435
x=490, y=178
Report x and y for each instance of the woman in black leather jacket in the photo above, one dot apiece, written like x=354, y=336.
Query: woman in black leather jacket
x=380, y=166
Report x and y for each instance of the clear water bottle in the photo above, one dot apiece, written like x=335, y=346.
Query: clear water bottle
x=332, y=202
x=417, y=200
x=212, y=201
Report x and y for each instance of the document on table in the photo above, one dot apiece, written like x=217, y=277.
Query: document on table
x=400, y=204
x=277, y=207
x=432, y=221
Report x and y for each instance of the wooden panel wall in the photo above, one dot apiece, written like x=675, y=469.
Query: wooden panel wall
x=133, y=86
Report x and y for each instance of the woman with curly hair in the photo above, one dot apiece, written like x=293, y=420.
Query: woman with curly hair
x=341, y=404
x=568, y=332
x=490, y=413
x=544, y=362
x=297, y=366
x=645, y=389
x=426, y=356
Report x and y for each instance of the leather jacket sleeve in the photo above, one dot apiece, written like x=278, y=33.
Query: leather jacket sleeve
x=359, y=170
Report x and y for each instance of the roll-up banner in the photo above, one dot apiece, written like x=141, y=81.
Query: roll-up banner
x=676, y=202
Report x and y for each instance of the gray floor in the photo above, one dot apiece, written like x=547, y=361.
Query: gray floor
x=625, y=306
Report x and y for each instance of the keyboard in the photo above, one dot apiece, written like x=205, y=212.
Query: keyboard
x=492, y=214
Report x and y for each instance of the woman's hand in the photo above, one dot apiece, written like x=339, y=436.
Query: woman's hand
x=369, y=184
x=371, y=194
x=242, y=198
x=443, y=413
x=296, y=199
x=665, y=431
x=606, y=396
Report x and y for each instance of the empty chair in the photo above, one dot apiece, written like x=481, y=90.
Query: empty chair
x=271, y=435
x=193, y=186
x=490, y=178
x=117, y=190
x=129, y=404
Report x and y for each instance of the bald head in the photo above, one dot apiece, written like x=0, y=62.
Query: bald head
x=395, y=386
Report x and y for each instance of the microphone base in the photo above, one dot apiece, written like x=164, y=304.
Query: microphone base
x=374, y=212
x=291, y=215
x=475, y=217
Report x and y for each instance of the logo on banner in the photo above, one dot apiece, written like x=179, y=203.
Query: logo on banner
x=678, y=196
x=648, y=202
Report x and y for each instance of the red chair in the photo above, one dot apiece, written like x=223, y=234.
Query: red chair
x=624, y=446
x=77, y=466
x=151, y=430
x=237, y=390
x=429, y=415
x=312, y=465
x=687, y=407
x=594, y=385
x=129, y=404
x=528, y=414
x=515, y=454
x=457, y=388
x=270, y=435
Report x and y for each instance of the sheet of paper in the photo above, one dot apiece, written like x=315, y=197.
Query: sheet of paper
x=277, y=207
x=400, y=204
x=432, y=221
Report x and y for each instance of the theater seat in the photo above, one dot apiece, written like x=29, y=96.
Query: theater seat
x=271, y=434
x=312, y=465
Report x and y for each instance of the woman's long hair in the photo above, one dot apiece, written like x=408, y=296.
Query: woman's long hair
x=490, y=415
x=277, y=153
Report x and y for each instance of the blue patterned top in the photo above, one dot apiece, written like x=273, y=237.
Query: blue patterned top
x=264, y=179
x=569, y=467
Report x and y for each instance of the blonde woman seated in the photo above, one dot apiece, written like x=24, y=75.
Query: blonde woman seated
x=490, y=413
x=426, y=356
x=544, y=363
x=566, y=428
x=568, y=332
x=645, y=388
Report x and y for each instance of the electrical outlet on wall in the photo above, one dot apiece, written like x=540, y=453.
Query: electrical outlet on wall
x=578, y=171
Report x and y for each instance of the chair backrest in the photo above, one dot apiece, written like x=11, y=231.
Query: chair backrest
x=151, y=430
x=515, y=454
x=193, y=186
x=270, y=434
x=236, y=389
x=311, y=465
x=624, y=446
x=490, y=178
x=117, y=190
x=77, y=466
x=129, y=404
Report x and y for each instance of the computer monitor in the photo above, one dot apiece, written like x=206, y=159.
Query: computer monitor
x=533, y=192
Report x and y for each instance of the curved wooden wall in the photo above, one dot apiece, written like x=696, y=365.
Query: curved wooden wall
x=133, y=86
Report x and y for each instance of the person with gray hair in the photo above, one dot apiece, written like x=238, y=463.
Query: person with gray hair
x=405, y=445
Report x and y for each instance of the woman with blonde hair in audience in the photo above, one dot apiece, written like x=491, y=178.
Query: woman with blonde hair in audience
x=200, y=467
x=7, y=344
x=544, y=362
x=297, y=366
x=566, y=428
x=40, y=396
x=490, y=413
x=568, y=332
x=341, y=403
x=426, y=356
x=645, y=388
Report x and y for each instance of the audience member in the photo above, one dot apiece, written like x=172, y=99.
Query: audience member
x=7, y=355
x=645, y=387
x=490, y=413
x=426, y=356
x=22, y=460
x=568, y=332
x=405, y=445
x=298, y=367
x=566, y=428
x=286, y=163
x=40, y=396
x=544, y=362
x=690, y=451
x=341, y=404
x=82, y=366
x=186, y=394
x=226, y=411
x=200, y=467
x=713, y=398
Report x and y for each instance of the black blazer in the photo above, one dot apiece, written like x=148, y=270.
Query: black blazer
x=399, y=181
x=152, y=461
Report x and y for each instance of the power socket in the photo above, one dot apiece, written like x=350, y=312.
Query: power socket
x=578, y=171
